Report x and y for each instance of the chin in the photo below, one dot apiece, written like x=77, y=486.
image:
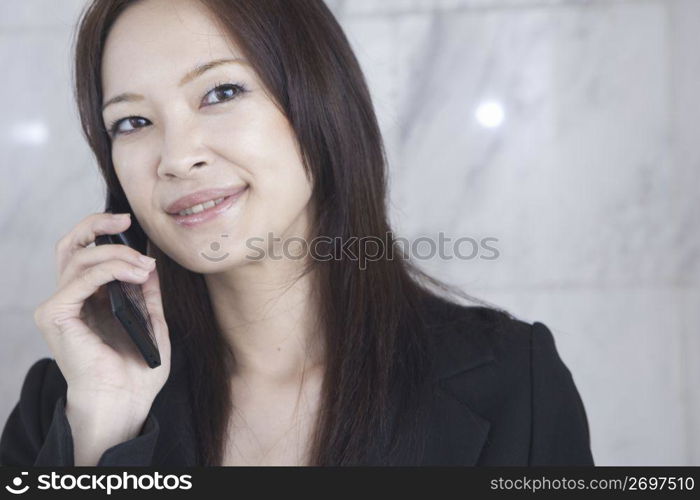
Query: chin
x=211, y=263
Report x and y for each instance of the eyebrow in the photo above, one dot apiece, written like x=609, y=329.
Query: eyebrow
x=191, y=75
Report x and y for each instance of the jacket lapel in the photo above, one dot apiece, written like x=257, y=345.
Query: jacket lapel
x=456, y=433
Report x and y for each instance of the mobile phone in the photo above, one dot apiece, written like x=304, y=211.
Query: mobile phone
x=127, y=302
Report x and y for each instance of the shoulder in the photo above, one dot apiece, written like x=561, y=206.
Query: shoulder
x=466, y=336
x=509, y=372
x=30, y=421
x=42, y=387
x=518, y=353
x=45, y=375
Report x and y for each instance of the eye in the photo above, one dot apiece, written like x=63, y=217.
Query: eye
x=223, y=92
x=116, y=129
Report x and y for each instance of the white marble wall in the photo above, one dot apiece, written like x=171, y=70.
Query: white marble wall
x=589, y=183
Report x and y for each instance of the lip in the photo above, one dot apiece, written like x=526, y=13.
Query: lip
x=202, y=196
x=209, y=213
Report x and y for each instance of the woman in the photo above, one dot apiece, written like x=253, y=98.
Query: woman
x=267, y=358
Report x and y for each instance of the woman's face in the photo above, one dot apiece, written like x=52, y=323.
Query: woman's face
x=215, y=128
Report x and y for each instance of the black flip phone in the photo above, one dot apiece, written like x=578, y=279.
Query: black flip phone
x=126, y=299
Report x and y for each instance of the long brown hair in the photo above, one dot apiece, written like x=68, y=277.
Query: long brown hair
x=373, y=318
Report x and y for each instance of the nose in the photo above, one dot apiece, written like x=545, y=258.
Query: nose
x=183, y=150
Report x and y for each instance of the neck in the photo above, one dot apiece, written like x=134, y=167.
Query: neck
x=270, y=320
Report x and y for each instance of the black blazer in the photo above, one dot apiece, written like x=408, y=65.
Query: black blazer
x=499, y=394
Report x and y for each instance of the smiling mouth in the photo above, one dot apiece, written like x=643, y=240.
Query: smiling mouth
x=201, y=207
x=206, y=211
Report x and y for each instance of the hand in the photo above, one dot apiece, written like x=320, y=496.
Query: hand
x=96, y=356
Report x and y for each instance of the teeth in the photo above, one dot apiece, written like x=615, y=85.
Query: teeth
x=202, y=206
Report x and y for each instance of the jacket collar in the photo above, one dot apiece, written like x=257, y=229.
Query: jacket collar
x=455, y=433
x=459, y=349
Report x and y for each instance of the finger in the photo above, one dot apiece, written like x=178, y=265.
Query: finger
x=68, y=301
x=154, y=304
x=85, y=232
x=91, y=256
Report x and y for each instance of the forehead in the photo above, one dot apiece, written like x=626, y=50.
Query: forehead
x=161, y=39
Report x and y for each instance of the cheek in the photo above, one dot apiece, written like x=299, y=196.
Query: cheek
x=254, y=136
x=136, y=156
x=285, y=199
x=268, y=157
x=135, y=182
x=135, y=162
x=276, y=169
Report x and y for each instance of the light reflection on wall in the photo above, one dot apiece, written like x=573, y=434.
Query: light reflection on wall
x=490, y=114
x=34, y=133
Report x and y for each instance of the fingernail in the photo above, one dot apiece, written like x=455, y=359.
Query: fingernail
x=141, y=273
x=122, y=216
x=146, y=260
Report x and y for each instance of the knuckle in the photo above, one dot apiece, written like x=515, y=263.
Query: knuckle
x=118, y=267
x=86, y=275
x=127, y=268
x=134, y=254
x=61, y=244
x=41, y=314
x=38, y=315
